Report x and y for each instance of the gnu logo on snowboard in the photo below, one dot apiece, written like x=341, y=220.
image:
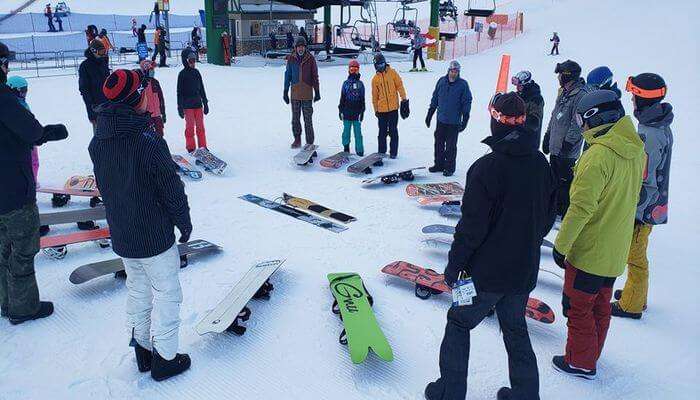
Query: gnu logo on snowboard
x=348, y=294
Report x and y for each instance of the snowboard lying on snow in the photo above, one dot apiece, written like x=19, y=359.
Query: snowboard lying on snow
x=55, y=246
x=337, y=160
x=209, y=161
x=294, y=213
x=186, y=168
x=393, y=177
x=364, y=166
x=298, y=202
x=434, y=189
x=68, y=217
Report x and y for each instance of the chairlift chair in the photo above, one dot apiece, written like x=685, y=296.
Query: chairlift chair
x=480, y=12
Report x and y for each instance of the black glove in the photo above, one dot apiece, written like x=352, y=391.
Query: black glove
x=558, y=258
x=429, y=117
x=163, y=117
x=53, y=133
x=206, y=107
x=404, y=109
x=340, y=115
x=463, y=124
x=317, y=97
x=185, y=234
x=362, y=116
x=451, y=276
x=545, y=144
x=181, y=112
x=566, y=147
x=285, y=97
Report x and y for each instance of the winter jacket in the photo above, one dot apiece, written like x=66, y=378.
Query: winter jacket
x=596, y=232
x=144, y=197
x=562, y=124
x=92, y=74
x=156, y=102
x=141, y=35
x=655, y=131
x=387, y=86
x=352, y=98
x=106, y=42
x=507, y=208
x=35, y=150
x=190, y=87
x=453, y=101
x=534, y=109
x=302, y=76
x=555, y=39
x=418, y=41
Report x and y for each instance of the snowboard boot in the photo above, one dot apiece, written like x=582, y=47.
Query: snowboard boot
x=393, y=156
x=618, y=296
x=144, y=357
x=413, y=70
x=617, y=311
x=43, y=230
x=346, y=148
x=360, y=153
x=435, y=168
x=297, y=142
x=560, y=364
x=505, y=393
x=448, y=173
x=59, y=200
x=87, y=225
x=45, y=309
x=162, y=369
x=424, y=69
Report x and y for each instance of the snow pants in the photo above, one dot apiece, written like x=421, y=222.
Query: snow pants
x=455, y=348
x=418, y=55
x=305, y=107
x=356, y=126
x=388, y=126
x=194, y=123
x=446, y=146
x=586, y=304
x=153, y=302
x=634, y=295
x=555, y=47
x=564, y=171
x=19, y=243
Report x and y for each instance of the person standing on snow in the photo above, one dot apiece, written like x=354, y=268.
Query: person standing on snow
x=351, y=108
x=453, y=101
x=418, y=42
x=512, y=183
x=160, y=40
x=91, y=76
x=602, y=78
x=594, y=240
x=301, y=75
x=19, y=215
x=49, y=16
x=555, y=44
x=387, y=89
x=192, y=103
x=563, y=137
x=144, y=200
x=529, y=91
x=655, y=120
x=154, y=94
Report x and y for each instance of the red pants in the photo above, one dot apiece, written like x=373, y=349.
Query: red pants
x=586, y=303
x=194, y=121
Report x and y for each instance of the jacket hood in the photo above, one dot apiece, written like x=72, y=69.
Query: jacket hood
x=531, y=90
x=183, y=56
x=656, y=115
x=621, y=137
x=119, y=120
x=516, y=143
x=354, y=77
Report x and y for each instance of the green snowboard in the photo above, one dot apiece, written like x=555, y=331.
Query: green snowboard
x=361, y=329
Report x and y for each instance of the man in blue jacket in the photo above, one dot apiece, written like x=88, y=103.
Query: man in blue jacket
x=453, y=102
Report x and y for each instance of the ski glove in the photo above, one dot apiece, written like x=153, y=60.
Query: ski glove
x=185, y=235
x=429, y=117
x=206, y=107
x=558, y=258
x=405, y=111
x=545, y=144
x=317, y=97
x=53, y=133
x=450, y=276
x=181, y=112
x=285, y=97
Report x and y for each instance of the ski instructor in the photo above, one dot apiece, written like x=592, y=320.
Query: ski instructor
x=144, y=200
x=19, y=216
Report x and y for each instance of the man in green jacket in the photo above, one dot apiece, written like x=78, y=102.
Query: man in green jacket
x=593, y=243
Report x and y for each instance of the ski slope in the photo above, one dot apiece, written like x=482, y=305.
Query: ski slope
x=290, y=350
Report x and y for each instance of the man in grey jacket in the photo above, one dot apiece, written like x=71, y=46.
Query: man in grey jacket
x=563, y=138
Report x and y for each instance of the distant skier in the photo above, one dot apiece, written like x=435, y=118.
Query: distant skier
x=196, y=39
x=594, y=240
x=301, y=78
x=529, y=91
x=154, y=97
x=302, y=33
x=555, y=44
x=144, y=200
x=192, y=103
x=387, y=90
x=49, y=17
x=452, y=100
x=134, y=28
x=141, y=45
x=160, y=40
x=507, y=208
x=327, y=41
x=351, y=108
x=59, y=21
x=91, y=76
x=418, y=43
x=273, y=41
x=156, y=13
x=655, y=118
x=602, y=78
x=19, y=215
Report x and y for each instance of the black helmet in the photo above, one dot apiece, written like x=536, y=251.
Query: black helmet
x=379, y=62
x=569, y=70
x=598, y=108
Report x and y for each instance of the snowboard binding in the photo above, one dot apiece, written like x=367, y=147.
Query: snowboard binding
x=425, y=292
x=451, y=203
x=57, y=253
x=236, y=328
x=387, y=180
x=59, y=200
x=407, y=176
x=264, y=291
x=95, y=201
x=87, y=225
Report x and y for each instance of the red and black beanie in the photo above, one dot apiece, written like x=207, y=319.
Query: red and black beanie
x=507, y=111
x=123, y=86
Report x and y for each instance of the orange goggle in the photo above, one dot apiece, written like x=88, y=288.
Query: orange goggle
x=506, y=119
x=644, y=93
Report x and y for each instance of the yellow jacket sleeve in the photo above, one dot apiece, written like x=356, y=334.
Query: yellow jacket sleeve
x=375, y=97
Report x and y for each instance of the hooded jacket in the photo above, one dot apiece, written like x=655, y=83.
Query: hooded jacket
x=301, y=75
x=190, y=87
x=144, y=197
x=507, y=208
x=562, y=124
x=453, y=100
x=655, y=131
x=92, y=74
x=534, y=109
x=596, y=232
x=387, y=87
x=352, y=98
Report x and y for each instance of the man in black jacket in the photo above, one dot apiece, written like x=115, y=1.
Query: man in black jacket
x=192, y=103
x=144, y=200
x=529, y=91
x=508, y=207
x=19, y=216
x=91, y=76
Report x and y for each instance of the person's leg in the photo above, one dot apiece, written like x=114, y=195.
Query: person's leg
x=199, y=125
x=359, y=145
x=420, y=57
x=139, y=301
x=415, y=58
x=602, y=311
x=451, y=136
x=347, y=125
x=4, y=266
x=393, y=133
x=522, y=363
x=189, y=130
x=22, y=233
x=382, y=120
x=296, y=118
x=163, y=57
x=634, y=295
x=307, y=107
x=439, y=147
x=557, y=48
x=567, y=176
x=551, y=52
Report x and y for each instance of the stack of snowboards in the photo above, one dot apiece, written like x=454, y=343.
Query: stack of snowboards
x=294, y=213
x=209, y=161
x=306, y=154
x=55, y=246
x=364, y=166
x=450, y=230
x=336, y=160
x=233, y=310
x=186, y=168
x=428, y=282
x=94, y=270
x=393, y=177
x=353, y=304
x=308, y=205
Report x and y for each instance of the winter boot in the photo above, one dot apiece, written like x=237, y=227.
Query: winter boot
x=144, y=357
x=346, y=148
x=162, y=369
x=87, y=225
x=45, y=309
x=448, y=173
x=424, y=69
x=43, y=230
x=297, y=142
x=435, y=168
x=560, y=364
x=618, y=296
x=619, y=312
x=505, y=393
x=413, y=70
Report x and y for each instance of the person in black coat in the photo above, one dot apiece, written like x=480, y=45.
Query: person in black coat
x=91, y=76
x=507, y=209
x=530, y=92
x=192, y=103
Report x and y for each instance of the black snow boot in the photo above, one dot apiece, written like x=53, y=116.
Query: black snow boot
x=144, y=357
x=162, y=369
x=296, y=143
x=448, y=173
x=87, y=225
x=346, y=148
x=617, y=311
x=43, y=230
x=45, y=309
x=618, y=296
x=560, y=364
x=505, y=393
x=435, y=168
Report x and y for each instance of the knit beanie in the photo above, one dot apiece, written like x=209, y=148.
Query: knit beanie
x=507, y=111
x=124, y=86
x=647, y=88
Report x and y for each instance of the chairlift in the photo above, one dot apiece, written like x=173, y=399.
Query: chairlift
x=362, y=40
x=480, y=12
x=447, y=9
x=402, y=25
x=449, y=29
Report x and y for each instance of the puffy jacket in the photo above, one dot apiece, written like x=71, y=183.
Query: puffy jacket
x=387, y=86
x=144, y=197
x=562, y=124
x=453, y=100
x=596, y=232
x=655, y=132
x=156, y=102
x=534, y=109
x=190, y=87
x=418, y=41
x=92, y=74
x=302, y=76
x=350, y=107
x=508, y=207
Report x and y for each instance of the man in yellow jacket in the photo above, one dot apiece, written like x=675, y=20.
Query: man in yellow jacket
x=387, y=87
x=593, y=243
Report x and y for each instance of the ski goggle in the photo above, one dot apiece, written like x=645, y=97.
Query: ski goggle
x=581, y=118
x=4, y=61
x=644, y=93
x=506, y=119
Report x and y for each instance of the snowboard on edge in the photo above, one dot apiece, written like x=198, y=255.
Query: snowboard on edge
x=309, y=205
x=434, y=189
x=393, y=177
x=70, y=192
x=364, y=166
x=450, y=230
x=209, y=161
x=336, y=160
x=233, y=308
x=294, y=213
x=186, y=168
x=354, y=306
x=306, y=154
x=68, y=217
x=429, y=282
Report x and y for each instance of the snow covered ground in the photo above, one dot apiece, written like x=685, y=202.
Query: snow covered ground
x=290, y=350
